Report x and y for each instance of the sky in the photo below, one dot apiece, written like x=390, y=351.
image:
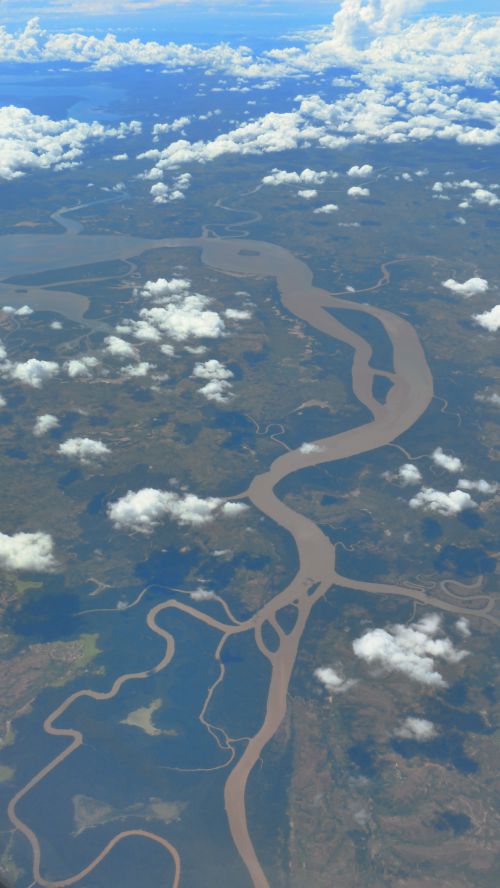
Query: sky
x=199, y=20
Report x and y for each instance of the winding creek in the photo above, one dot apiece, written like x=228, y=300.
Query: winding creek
x=409, y=396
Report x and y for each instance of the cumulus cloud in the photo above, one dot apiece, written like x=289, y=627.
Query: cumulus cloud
x=137, y=370
x=306, y=177
x=383, y=112
x=178, y=124
x=27, y=551
x=360, y=172
x=358, y=191
x=120, y=348
x=237, y=314
x=162, y=287
x=332, y=680
x=447, y=504
x=463, y=626
x=481, y=486
x=231, y=510
x=472, y=287
x=44, y=424
x=22, y=312
x=81, y=366
x=307, y=193
x=309, y=447
x=483, y=196
x=143, y=510
x=183, y=316
x=492, y=398
x=85, y=450
x=411, y=650
x=33, y=372
x=36, y=142
x=163, y=193
x=371, y=37
x=202, y=594
x=326, y=209
x=489, y=320
x=217, y=388
x=419, y=729
x=406, y=474
x=141, y=330
x=446, y=461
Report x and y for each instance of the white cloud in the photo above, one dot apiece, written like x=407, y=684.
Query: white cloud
x=231, y=509
x=360, y=172
x=183, y=316
x=383, y=112
x=370, y=37
x=26, y=551
x=489, y=320
x=32, y=141
x=447, y=504
x=201, y=594
x=307, y=193
x=3, y=402
x=120, y=348
x=446, y=461
x=175, y=125
x=326, y=209
x=143, y=510
x=406, y=474
x=409, y=649
x=217, y=388
x=492, y=398
x=358, y=191
x=306, y=177
x=163, y=193
x=237, y=314
x=22, y=312
x=483, y=196
x=481, y=486
x=85, y=450
x=56, y=325
x=81, y=366
x=141, y=330
x=123, y=156
x=140, y=369
x=162, y=287
x=463, y=626
x=44, y=424
x=472, y=287
x=309, y=447
x=409, y=474
x=419, y=729
x=33, y=372
x=332, y=680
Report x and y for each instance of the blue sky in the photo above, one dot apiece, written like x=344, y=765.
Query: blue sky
x=201, y=22
x=199, y=19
